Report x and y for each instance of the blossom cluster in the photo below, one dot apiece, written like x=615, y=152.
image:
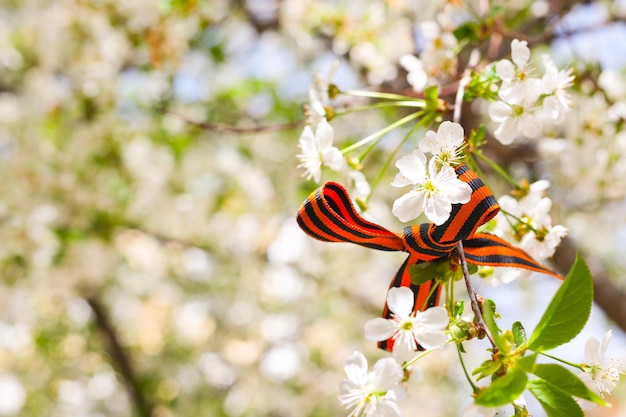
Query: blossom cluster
x=525, y=100
x=524, y=219
x=379, y=393
x=434, y=181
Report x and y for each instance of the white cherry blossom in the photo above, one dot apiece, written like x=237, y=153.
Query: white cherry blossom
x=445, y=144
x=599, y=374
x=408, y=328
x=517, y=80
x=371, y=394
x=434, y=190
x=417, y=76
x=515, y=120
x=319, y=100
x=317, y=150
x=555, y=84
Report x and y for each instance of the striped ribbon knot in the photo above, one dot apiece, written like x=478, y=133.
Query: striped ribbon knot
x=329, y=215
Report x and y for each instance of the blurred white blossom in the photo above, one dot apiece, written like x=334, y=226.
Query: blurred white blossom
x=318, y=150
x=371, y=394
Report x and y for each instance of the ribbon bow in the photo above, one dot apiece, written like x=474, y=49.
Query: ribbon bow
x=329, y=215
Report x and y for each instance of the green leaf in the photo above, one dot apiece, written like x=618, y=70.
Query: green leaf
x=554, y=401
x=488, y=367
x=568, y=311
x=423, y=272
x=503, y=390
x=519, y=334
x=489, y=316
x=527, y=363
x=562, y=379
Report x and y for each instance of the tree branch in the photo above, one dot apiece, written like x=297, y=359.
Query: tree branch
x=222, y=127
x=119, y=357
x=474, y=297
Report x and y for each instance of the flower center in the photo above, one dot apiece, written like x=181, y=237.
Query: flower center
x=407, y=325
x=429, y=188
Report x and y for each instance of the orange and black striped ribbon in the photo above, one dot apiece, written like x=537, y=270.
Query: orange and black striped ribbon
x=329, y=215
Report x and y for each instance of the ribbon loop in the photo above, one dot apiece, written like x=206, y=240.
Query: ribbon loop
x=329, y=215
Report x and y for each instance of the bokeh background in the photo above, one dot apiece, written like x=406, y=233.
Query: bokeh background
x=150, y=264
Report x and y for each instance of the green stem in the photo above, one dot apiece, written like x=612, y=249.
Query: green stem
x=433, y=288
x=575, y=365
x=378, y=94
x=497, y=168
x=467, y=375
x=406, y=365
x=392, y=155
x=413, y=104
x=381, y=132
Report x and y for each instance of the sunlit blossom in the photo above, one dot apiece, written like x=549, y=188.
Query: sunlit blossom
x=319, y=100
x=555, y=84
x=434, y=190
x=372, y=394
x=318, y=150
x=446, y=144
x=599, y=374
x=517, y=80
x=408, y=328
x=416, y=76
x=515, y=120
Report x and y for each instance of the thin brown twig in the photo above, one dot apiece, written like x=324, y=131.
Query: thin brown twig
x=473, y=295
x=119, y=357
x=248, y=130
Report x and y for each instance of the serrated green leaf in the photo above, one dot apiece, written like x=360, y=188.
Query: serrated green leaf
x=489, y=316
x=519, y=334
x=555, y=402
x=564, y=380
x=568, y=311
x=503, y=390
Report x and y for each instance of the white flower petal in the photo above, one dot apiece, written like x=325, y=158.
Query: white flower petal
x=355, y=367
x=450, y=132
x=520, y=52
x=505, y=70
x=411, y=63
x=531, y=125
x=333, y=158
x=386, y=408
x=418, y=80
x=324, y=134
x=431, y=338
x=380, y=329
x=459, y=192
x=400, y=301
x=500, y=112
x=409, y=206
x=386, y=375
x=592, y=349
x=438, y=209
x=435, y=316
x=605, y=341
x=428, y=142
x=508, y=131
x=401, y=181
x=413, y=167
x=307, y=141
